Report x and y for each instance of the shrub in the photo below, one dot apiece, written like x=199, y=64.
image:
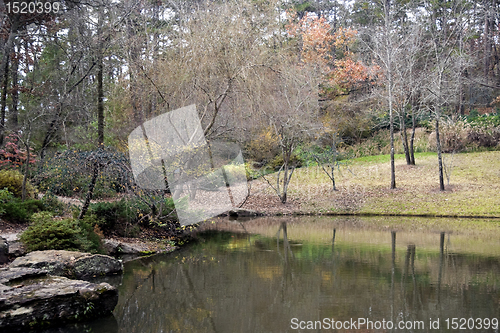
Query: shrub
x=454, y=135
x=122, y=216
x=90, y=240
x=16, y=210
x=45, y=233
x=109, y=213
x=5, y=196
x=277, y=162
x=52, y=204
x=12, y=156
x=13, y=181
x=169, y=208
x=469, y=133
x=264, y=147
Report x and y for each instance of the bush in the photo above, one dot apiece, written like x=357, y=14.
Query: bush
x=52, y=204
x=122, y=216
x=277, y=162
x=454, y=135
x=16, y=210
x=13, y=181
x=45, y=233
x=5, y=196
x=264, y=147
x=12, y=156
x=469, y=134
x=169, y=208
x=90, y=240
x=109, y=213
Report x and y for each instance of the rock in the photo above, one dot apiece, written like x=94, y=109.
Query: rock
x=239, y=212
x=29, y=298
x=9, y=275
x=116, y=247
x=70, y=264
x=16, y=249
x=4, y=250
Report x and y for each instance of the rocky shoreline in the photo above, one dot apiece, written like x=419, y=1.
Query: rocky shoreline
x=43, y=288
x=54, y=287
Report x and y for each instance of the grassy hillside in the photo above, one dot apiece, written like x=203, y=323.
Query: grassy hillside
x=363, y=187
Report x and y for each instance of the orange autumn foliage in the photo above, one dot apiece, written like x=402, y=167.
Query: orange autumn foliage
x=331, y=53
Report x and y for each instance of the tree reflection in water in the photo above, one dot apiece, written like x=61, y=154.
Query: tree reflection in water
x=230, y=282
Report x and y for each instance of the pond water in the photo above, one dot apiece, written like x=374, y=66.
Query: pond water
x=313, y=274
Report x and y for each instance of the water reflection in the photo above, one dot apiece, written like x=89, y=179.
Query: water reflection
x=250, y=283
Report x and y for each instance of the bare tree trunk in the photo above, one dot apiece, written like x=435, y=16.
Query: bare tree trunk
x=51, y=131
x=404, y=136
x=100, y=122
x=393, y=168
x=487, y=44
x=100, y=102
x=412, y=138
x=14, y=95
x=3, y=103
x=440, y=158
x=90, y=191
x=26, y=168
x=286, y=163
x=388, y=60
x=9, y=45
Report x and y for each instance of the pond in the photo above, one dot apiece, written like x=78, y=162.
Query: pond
x=312, y=274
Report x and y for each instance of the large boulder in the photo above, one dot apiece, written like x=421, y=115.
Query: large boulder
x=70, y=264
x=30, y=298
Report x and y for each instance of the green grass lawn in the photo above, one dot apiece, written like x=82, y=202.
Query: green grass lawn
x=363, y=187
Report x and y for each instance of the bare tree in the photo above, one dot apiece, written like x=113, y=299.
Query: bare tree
x=291, y=106
x=385, y=48
x=408, y=85
x=441, y=89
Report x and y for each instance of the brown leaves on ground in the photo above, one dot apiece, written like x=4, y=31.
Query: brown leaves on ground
x=473, y=190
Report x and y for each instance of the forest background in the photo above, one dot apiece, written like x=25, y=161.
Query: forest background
x=294, y=83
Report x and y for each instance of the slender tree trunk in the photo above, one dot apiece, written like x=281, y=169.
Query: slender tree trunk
x=14, y=121
x=388, y=51
x=404, y=136
x=285, y=178
x=3, y=103
x=26, y=168
x=100, y=102
x=440, y=157
x=9, y=46
x=88, y=197
x=487, y=44
x=334, y=160
x=100, y=123
x=412, y=138
x=393, y=168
